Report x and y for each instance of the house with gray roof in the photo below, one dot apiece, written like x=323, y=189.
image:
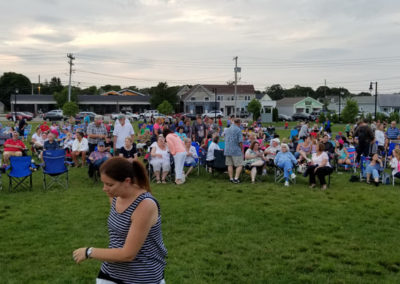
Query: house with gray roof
x=290, y=106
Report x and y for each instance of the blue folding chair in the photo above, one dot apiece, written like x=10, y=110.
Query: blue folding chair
x=20, y=171
x=55, y=168
x=197, y=160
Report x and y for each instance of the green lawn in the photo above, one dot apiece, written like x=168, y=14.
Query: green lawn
x=215, y=232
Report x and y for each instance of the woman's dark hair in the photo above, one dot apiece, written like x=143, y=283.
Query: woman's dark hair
x=216, y=139
x=119, y=169
x=321, y=147
x=167, y=131
x=80, y=133
x=253, y=144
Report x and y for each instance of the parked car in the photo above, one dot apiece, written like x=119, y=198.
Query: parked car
x=213, y=113
x=149, y=113
x=80, y=116
x=56, y=114
x=244, y=114
x=19, y=115
x=301, y=116
x=132, y=116
x=283, y=117
x=192, y=116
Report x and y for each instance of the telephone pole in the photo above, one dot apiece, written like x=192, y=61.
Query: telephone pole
x=71, y=58
x=235, y=89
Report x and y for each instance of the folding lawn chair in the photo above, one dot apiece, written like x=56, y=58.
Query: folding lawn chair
x=219, y=161
x=20, y=171
x=351, y=151
x=55, y=168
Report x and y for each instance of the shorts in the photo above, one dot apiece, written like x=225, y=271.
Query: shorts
x=236, y=161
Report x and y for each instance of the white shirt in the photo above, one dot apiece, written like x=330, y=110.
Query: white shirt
x=210, y=153
x=317, y=160
x=82, y=146
x=122, y=132
x=38, y=138
x=190, y=159
x=380, y=137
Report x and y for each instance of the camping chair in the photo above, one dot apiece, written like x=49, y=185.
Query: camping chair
x=364, y=162
x=20, y=170
x=54, y=167
x=219, y=161
x=279, y=174
x=352, y=156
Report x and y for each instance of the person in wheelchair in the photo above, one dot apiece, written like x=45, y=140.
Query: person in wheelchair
x=286, y=161
x=374, y=168
x=160, y=159
x=97, y=158
x=254, y=159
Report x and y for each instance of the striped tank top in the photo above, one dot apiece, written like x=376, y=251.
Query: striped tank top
x=148, y=266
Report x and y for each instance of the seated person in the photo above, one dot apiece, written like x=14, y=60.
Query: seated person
x=303, y=150
x=319, y=167
x=129, y=151
x=254, y=158
x=210, y=153
x=109, y=145
x=13, y=147
x=328, y=146
x=180, y=133
x=191, y=156
x=97, y=158
x=68, y=141
x=272, y=150
x=51, y=143
x=286, y=161
x=79, y=148
x=342, y=154
x=44, y=127
x=37, y=140
x=160, y=159
x=373, y=168
x=395, y=163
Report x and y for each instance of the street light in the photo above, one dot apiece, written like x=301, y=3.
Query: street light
x=371, y=87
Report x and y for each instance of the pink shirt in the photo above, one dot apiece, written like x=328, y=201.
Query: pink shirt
x=175, y=144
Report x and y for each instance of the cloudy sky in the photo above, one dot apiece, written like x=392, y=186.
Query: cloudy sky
x=141, y=42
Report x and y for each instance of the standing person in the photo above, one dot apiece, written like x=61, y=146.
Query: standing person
x=177, y=149
x=122, y=130
x=96, y=132
x=380, y=137
x=286, y=124
x=233, y=150
x=199, y=131
x=392, y=133
x=136, y=252
x=365, y=137
x=319, y=167
x=304, y=131
x=21, y=126
x=328, y=126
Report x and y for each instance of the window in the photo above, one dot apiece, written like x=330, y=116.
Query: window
x=192, y=98
x=206, y=99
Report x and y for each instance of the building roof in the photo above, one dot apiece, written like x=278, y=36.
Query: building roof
x=389, y=100
x=221, y=90
x=364, y=100
x=83, y=99
x=123, y=92
x=289, y=101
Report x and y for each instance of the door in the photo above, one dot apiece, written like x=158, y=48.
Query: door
x=199, y=110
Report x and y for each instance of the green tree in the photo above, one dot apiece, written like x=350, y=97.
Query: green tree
x=350, y=111
x=254, y=107
x=394, y=116
x=70, y=108
x=92, y=90
x=275, y=114
x=10, y=82
x=322, y=92
x=62, y=97
x=299, y=91
x=162, y=92
x=322, y=118
x=335, y=118
x=107, y=88
x=275, y=92
x=165, y=107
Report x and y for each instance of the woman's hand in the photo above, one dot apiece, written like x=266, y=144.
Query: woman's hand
x=79, y=255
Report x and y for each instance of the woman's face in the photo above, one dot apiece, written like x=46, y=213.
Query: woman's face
x=256, y=147
x=188, y=144
x=161, y=140
x=375, y=157
x=128, y=142
x=110, y=186
x=284, y=149
x=181, y=130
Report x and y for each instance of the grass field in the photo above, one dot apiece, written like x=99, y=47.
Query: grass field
x=215, y=232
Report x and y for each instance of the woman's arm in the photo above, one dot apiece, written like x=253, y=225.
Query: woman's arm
x=145, y=216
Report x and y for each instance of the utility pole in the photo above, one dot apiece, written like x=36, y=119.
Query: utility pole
x=71, y=58
x=376, y=93
x=235, y=90
x=39, y=86
x=341, y=93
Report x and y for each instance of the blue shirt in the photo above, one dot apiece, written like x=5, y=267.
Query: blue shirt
x=51, y=146
x=233, y=136
x=393, y=133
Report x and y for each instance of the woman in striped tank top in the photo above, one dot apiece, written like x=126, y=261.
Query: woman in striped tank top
x=136, y=252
